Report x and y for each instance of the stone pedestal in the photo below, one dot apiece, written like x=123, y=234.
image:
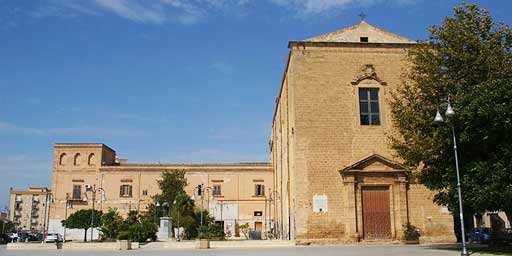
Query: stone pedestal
x=203, y=244
x=124, y=245
x=164, y=228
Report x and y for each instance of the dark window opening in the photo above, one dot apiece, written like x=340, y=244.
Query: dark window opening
x=77, y=192
x=258, y=213
x=125, y=191
x=369, y=106
x=259, y=190
x=217, y=190
x=363, y=39
x=199, y=190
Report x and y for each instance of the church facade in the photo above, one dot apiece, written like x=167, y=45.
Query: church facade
x=332, y=175
x=336, y=175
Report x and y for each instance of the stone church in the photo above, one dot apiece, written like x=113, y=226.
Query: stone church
x=332, y=176
x=336, y=175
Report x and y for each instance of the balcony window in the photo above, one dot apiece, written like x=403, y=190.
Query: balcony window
x=77, y=192
x=125, y=191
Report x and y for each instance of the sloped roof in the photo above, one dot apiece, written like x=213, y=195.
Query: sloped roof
x=363, y=29
x=361, y=164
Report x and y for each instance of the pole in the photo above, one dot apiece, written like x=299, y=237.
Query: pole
x=270, y=224
x=178, y=238
x=92, y=213
x=65, y=217
x=45, y=217
x=202, y=206
x=171, y=231
x=459, y=191
x=155, y=214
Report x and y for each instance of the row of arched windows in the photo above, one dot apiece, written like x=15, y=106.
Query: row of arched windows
x=77, y=159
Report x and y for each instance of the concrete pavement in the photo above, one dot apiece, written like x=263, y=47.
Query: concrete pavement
x=347, y=250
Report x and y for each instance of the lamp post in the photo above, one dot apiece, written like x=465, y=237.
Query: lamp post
x=93, y=191
x=48, y=200
x=273, y=196
x=439, y=119
x=178, y=220
x=68, y=206
x=156, y=209
x=200, y=190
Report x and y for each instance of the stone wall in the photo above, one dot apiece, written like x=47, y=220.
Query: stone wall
x=323, y=134
x=237, y=183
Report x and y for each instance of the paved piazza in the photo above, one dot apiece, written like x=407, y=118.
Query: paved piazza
x=359, y=250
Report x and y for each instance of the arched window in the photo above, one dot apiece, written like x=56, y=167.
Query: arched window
x=90, y=160
x=76, y=160
x=62, y=159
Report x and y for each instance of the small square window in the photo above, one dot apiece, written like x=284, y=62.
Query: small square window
x=363, y=39
x=144, y=192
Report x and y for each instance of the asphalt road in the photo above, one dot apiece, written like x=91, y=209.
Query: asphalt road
x=359, y=250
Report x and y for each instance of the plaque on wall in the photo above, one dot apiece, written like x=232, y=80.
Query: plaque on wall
x=320, y=203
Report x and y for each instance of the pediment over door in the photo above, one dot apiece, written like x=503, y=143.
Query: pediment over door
x=374, y=164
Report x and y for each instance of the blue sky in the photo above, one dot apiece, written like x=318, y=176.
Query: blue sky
x=163, y=80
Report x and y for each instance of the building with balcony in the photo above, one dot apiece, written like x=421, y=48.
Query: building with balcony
x=29, y=208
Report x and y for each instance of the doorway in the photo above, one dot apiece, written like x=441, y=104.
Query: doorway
x=376, y=213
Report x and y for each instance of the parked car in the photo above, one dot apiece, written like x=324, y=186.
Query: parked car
x=53, y=238
x=5, y=238
x=30, y=237
x=489, y=236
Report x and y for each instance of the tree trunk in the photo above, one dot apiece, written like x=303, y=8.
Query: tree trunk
x=85, y=235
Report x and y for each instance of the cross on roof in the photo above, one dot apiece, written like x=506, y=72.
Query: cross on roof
x=362, y=15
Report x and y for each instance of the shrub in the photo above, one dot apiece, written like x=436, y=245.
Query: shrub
x=411, y=233
x=212, y=231
x=111, y=224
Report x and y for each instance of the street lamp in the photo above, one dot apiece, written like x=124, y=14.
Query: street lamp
x=178, y=219
x=156, y=209
x=69, y=205
x=273, y=197
x=200, y=190
x=93, y=191
x=439, y=119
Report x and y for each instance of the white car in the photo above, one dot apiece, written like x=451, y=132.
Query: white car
x=53, y=237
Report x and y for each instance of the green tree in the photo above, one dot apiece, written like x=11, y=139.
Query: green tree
x=111, y=224
x=7, y=226
x=467, y=57
x=82, y=220
x=171, y=185
x=245, y=228
x=182, y=206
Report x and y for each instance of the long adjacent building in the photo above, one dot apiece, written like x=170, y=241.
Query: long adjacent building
x=235, y=193
x=333, y=168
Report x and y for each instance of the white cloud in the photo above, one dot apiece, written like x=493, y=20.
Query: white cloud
x=12, y=128
x=191, y=11
x=85, y=130
x=132, y=10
